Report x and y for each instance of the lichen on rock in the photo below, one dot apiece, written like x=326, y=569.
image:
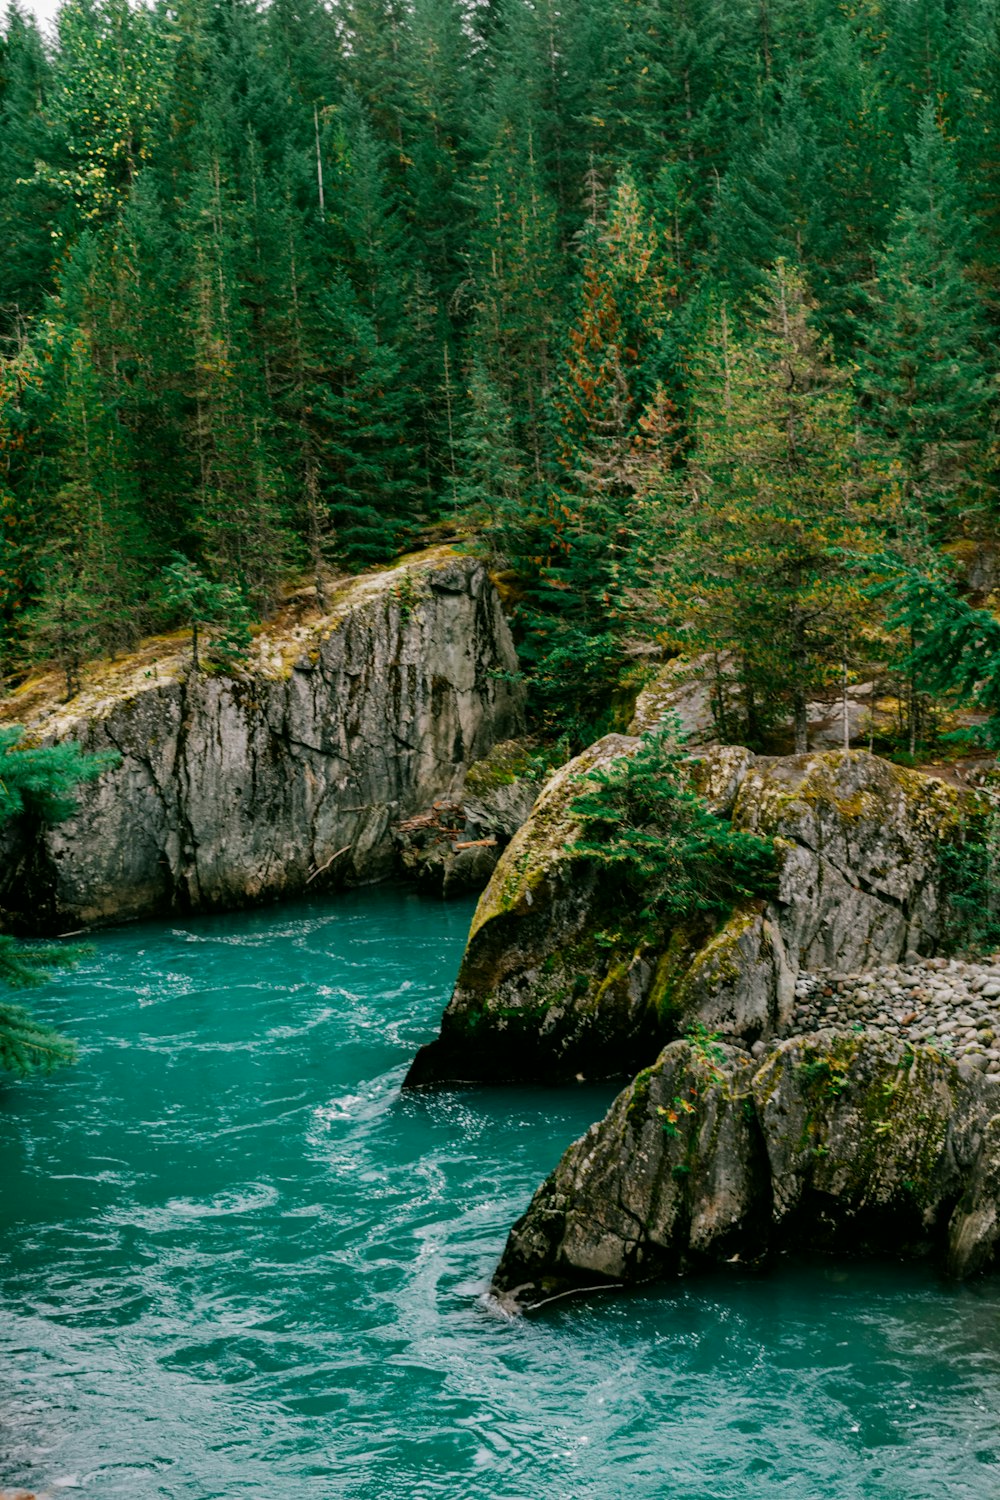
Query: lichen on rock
x=835, y=1143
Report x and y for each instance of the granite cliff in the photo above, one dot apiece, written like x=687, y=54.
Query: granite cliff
x=292, y=772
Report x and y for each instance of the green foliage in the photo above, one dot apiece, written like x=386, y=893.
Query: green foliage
x=951, y=648
x=203, y=603
x=659, y=841
x=755, y=529
x=37, y=782
x=289, y=287
x=924, y=374
x=26, y=1045
x=969, y=875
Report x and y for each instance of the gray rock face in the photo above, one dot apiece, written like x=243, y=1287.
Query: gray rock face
x=293, y=773
x=452, y=848
x=558, y=980
x=834, y=1143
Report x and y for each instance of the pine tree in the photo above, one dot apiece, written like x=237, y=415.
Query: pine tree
x=576, y=546
x=89, y=596
x=27, y=208
x=238, y=491
x=924, y=371
x=771, y=203
x=515, y=265
x=753, y=537
x=102, y=102
x=203, y=604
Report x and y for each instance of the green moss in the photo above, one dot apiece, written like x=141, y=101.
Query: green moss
x=639, y=1099
x=507, y=762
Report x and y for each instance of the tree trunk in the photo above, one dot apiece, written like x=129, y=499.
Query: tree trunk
x=800, y=721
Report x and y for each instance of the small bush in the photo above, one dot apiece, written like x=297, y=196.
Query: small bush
x=642, y=821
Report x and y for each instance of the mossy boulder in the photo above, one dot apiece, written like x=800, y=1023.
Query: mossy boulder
x=547, y=990
x=559, y=979
x=834, y=1143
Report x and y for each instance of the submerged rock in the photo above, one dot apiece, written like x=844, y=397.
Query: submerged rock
x=834, y=1143
x=291, y=774
x=558, y=980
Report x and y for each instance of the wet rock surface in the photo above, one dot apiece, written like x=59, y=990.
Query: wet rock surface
x=833, y=1142
x=292, y=774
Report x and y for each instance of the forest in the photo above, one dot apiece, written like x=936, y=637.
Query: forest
x=682, y=311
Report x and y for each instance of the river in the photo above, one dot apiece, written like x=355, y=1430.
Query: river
x=236, y=1264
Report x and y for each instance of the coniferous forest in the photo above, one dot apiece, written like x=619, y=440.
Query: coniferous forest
x=685, y=313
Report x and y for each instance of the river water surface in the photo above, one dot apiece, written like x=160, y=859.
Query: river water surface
x=234, y=1263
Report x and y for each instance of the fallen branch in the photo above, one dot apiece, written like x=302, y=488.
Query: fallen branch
x=329, y=862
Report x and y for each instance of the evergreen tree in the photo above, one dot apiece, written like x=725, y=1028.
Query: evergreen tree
x=924, y=371
x=37, y=783
x=576, y=546
x=27, y=207
x=237, y=494
x=753, y=537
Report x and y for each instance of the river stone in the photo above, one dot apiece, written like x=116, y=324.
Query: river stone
x=288, y=775
x=834, y=1142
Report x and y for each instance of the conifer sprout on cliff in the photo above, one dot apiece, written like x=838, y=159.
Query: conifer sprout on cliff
x=37, y=783
x=674, y=858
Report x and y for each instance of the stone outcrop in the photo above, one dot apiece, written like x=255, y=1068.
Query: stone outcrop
x=453, y=847
x=543, y=991
x=833, y=1143
x=558, y=980
x=292, y=773
x=684, y=691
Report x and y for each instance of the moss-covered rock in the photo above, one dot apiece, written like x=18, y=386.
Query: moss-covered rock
x=834, y=1143
x=547, y=990
x=558, y=979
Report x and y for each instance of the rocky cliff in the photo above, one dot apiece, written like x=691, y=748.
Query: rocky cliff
x=559, y=980
x=291, y=773
x=835, y=1142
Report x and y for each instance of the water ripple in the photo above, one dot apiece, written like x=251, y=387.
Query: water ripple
x=237, y=1265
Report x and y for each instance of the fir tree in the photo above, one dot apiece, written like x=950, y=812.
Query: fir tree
x=924, y=371
x=753, y=538
x=37, y=783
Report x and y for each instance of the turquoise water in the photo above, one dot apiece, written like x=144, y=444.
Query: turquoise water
x=235, y=1263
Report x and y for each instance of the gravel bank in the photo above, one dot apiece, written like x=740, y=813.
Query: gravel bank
x=946, y=1003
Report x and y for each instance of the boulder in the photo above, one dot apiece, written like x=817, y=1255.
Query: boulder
x=558, y=980
x=835, y=1143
